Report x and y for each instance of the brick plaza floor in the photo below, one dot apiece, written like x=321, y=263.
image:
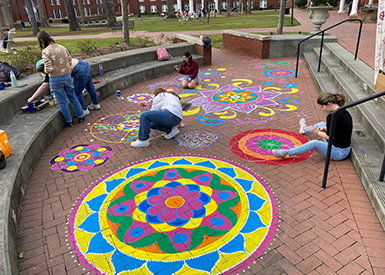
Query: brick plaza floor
x=309, y=230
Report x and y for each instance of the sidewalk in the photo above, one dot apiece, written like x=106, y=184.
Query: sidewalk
x=304, y=229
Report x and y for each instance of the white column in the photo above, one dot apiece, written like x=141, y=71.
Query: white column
x=203, y=4
x=179, y=3
x=191, y=7
x=354, y=8
x=370, y=3
x=342, y=6
x=216, y=5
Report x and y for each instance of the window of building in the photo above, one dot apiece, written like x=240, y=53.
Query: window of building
x=142, y=9
x=73, y=2
x=100, y=1
x=60, y=13
x=263, y=4
x=89, y=11
x=57, y=2
x=84, y=2
x=224, y=5
x=153, y=8
x=54, y=14
x=76, y=12
x=88, y=1
x=98, y=10
x=85, y=12
x=164, y=8
x=175, y=7
x=52, y=3
x=119, y=10
x=141, y=0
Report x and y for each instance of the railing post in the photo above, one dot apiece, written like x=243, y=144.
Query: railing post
x=358, y=40
x=320, y=51
x=382, y=174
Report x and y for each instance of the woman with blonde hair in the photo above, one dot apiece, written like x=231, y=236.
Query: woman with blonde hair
x=165, y=114
x=343, y=131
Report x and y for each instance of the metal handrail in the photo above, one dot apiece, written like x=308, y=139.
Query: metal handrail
x=322, y=42
x=332, y=129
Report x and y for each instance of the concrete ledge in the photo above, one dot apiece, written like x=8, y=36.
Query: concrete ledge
x=207, y=54
x=29, y=133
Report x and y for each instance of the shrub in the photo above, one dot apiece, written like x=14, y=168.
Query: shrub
x=86, y=46
x=301, y=3
x=24, y=59
x=65, y=20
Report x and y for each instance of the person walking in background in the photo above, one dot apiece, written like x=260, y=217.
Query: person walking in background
x=165, y=114
x=4, y=40
x=343, y=131
x=57, y=63
x=189, y=68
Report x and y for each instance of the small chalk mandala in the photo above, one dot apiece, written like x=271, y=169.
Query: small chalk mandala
x=196, y=139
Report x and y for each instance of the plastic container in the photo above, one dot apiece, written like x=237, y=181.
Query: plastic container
x=30, y=107
x=13, y=79
x=101, y=70
x=119, y=95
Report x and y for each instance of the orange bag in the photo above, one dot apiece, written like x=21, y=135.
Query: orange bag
x=5, y=147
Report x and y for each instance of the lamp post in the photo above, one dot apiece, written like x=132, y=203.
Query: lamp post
x=292, y=12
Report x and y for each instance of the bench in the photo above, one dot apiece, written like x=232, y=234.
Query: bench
x=119, y=26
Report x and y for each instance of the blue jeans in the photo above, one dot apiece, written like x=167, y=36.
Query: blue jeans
x=62, y=87
x=320, y=146
x=187, y=76
x=162, y=120
x=82, y=75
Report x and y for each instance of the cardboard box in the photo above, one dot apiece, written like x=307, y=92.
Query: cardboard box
x=5, y=147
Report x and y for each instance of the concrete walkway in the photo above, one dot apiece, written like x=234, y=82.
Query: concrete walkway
x=346, y=38
x=316, y=231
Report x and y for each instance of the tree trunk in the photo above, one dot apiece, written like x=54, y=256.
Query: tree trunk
x=35, y=27
x=81, y=10
x=281, y=16
x=111, y=18
x=2, y=23
x=125, y=30
x=7, y=15
x=74, y=26
x=249, y=7
x=138, y=8
x=43, y=18
x=228, y=8
x=170, y=9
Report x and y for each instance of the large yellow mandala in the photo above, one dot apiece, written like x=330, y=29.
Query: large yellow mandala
x=173, y=215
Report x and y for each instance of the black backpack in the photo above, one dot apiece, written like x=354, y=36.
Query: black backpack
x=206, y=43
x=5, y=69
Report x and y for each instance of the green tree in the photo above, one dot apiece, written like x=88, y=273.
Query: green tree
x=74, y=26
x=35, y=27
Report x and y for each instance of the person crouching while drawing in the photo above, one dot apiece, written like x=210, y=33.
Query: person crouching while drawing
x=165, y=114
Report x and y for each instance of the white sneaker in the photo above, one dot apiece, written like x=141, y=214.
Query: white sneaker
x=172, y=134
x=86, y=111
x=140, y=143
x=302, y=126
x=279, y=153
x=94, y=106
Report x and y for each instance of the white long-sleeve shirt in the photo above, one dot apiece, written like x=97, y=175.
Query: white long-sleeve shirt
x=168, y=101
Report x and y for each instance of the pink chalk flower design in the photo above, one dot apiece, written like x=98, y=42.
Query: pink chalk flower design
x=240, y=99
x=81, y=157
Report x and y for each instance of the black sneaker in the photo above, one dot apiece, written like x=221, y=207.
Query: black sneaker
x=82, y=119
x=70, y=124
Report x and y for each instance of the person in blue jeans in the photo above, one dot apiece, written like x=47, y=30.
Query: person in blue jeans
x=82, y=77
x=57, y=64
x=165, y=114
x=343, y=131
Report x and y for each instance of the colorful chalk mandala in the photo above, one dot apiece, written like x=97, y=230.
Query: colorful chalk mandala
x=196, y=139
x=81, y=157
x=173, y=215
x=139, y=98
x=233, y=97
x=119, y=128
x=256, y=146
x=280, y=72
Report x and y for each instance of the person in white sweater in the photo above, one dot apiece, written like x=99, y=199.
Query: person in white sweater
x=165, y=114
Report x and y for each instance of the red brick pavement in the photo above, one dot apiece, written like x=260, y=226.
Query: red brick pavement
x=320, y=231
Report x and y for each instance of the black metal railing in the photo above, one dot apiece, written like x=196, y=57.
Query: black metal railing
x=322, y=42
x=332, y=130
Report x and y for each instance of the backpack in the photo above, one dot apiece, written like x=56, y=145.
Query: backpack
x=5, y=69
x=206, y=43
x=163, y=54
x=3, y=162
